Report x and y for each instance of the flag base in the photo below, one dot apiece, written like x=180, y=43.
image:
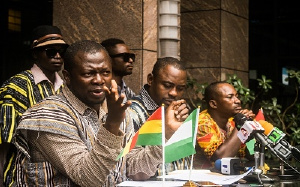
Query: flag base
x=190, y=183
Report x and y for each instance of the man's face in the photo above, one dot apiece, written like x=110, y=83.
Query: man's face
x=91, y=72
x=169, y=85
x=49, y=58
x=121, y=66
x=227, y=100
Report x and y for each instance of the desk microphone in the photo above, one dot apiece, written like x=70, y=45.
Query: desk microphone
x=278, y=150
x=281, y=145
x=230, y=166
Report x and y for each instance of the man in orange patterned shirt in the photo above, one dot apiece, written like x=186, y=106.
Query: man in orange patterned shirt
x=217, y=134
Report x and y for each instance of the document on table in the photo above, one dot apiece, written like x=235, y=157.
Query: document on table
x=181, y=176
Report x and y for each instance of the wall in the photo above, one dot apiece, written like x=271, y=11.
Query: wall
x=214, y=33
x=214, y=39
x=134, y=21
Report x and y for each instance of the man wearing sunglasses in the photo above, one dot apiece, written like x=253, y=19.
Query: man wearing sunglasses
x=27, y=88
x=122, y=63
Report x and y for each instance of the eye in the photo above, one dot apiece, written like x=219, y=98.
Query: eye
x=87, y=74
x=168, y=85
x=180, y=88
x=106, y=73
x=230, y=96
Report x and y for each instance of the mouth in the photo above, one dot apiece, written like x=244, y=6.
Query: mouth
x=97, y=92
x=168, y=101
x=57, y=63
x=238, y=108
x=130, y=67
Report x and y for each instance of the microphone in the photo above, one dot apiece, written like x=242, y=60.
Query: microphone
x=280, y=144
x=276, y=144
x=278, y=149
x=247, y=128
x=230, y=166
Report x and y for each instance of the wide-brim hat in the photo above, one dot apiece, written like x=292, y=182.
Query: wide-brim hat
x=47, y=35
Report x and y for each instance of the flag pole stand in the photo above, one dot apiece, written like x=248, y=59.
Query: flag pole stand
x=163, y=143
x=189, y=182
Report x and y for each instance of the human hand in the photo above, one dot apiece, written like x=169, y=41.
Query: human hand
x=176, y=113
x=247, y=113
x=181, y=111
x=116, y=108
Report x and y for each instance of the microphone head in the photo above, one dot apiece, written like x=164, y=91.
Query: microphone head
x=267, y=126
x=218, y=164
x=239, y=120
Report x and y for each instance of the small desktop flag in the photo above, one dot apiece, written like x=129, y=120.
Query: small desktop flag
x=260, y=115
x=182, y=142
x=148, y=134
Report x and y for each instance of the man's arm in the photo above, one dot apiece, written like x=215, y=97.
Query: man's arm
x=72, y=158
x=143, y=162
x=229, y=148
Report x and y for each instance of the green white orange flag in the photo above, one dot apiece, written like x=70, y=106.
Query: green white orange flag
x=182, y=142
x=150, y=133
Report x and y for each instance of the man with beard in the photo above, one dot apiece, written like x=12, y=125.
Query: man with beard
x=122, y=63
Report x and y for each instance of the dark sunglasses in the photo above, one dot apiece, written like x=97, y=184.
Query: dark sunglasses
x=125, y=56
x=51, y=52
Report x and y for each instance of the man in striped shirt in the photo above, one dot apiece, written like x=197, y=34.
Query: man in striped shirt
x=27, y=88
x=73, y=138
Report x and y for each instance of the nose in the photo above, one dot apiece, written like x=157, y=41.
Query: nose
x=57, y=55
x=98, y=79
x=131, y=60
x=237, y=100
x=173, y=92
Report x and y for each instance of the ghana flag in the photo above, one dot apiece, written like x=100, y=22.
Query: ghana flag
x=148, y=134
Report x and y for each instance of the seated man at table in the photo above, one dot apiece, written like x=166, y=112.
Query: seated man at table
x=217, y=134
x=74, y=138
x=165, y=85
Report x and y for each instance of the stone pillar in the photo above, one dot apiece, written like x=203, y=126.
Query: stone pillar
x=214, y=39
x=134, y=21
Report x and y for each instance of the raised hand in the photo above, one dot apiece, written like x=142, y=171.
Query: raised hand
x=176, y=113
x=247, y=113
x=116, y=108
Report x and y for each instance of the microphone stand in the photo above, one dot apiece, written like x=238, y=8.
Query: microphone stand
x=259, y=158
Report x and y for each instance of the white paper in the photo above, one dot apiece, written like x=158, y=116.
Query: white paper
x=152, y=183
x=205, y=175
x=183, y=175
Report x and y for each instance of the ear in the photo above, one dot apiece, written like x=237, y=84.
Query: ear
x=66, y=75
x=150, y=78
x=212, y=103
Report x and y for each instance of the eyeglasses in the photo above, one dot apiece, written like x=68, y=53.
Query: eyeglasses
x=51, y=52
x=125, y=56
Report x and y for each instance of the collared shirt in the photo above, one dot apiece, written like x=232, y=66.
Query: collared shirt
x=149, y=158
x=67, y=144
x=17, y=94
x=126, y=90
x=210, y=136
x=39, y=76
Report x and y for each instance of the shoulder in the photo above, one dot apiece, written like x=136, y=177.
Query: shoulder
x=17, y=84
x=19, y=78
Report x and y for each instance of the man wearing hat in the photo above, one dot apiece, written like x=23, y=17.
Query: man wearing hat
x=27, y=88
